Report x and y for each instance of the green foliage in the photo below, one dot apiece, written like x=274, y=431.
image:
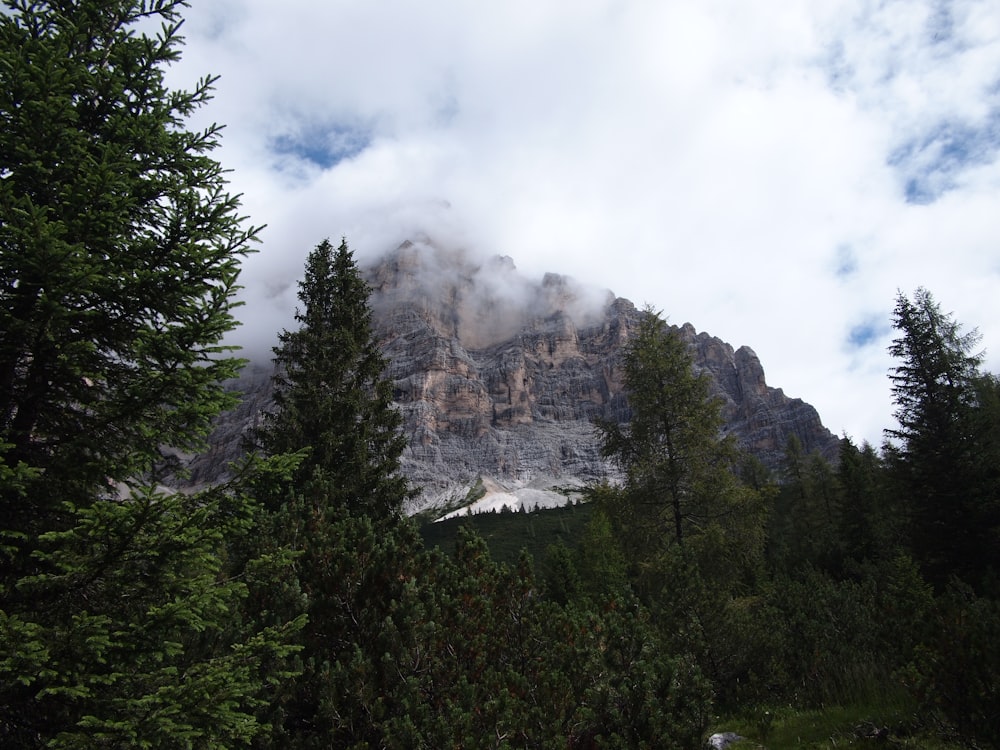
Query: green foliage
x=931, y=384
x=422, y=649
x=671, y=444
x=643, y=697
x=601, y=561
x=562, y=579
x=331, y=396
x=850, y=617
x=954, y=671
x=943, y=470
x=944, y=457
x=340, y=510
x=837, y=637
x=871, y=524
x=121, y=612
x=680, y=483
x=509, y=534
x=119, y=252
x=364, y=609
x=864, y=725
x=807, y=514
x=535, y=673
x=127, y=636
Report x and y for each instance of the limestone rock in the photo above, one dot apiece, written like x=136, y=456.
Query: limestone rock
x=499, y=377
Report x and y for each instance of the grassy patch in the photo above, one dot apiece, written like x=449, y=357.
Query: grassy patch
x=507, y=534
x=830, y=727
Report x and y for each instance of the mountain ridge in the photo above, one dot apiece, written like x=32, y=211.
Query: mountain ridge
x=499, y=379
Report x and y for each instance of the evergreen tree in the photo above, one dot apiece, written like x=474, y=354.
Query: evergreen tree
x=986, y=426
x=941, y=442
x=869, y=525
x=506, y=667
x=805, y=519
x=342, y=512
x=673, y=432
x=119, y=252
x=680, y=488
x=120, y=620
x=131, y=632
x=331, y=396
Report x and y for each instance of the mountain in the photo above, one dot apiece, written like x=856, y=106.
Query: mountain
x=499, y=378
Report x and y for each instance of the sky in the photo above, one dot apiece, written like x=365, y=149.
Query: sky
x=774, y=172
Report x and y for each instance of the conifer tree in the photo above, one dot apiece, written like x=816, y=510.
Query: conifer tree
x=679, y=485
x=119, y=252
x=941, y=451
x=342, y=512
x=120, y=249
x=331, y=394
x=804, y=524
x=869, y=525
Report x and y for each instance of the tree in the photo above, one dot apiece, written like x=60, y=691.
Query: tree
x=331, y=396
x=953, y=672
x=130, y=634
x=679, y=485
x=986, y=425
x=119, y=250
x=941, y=451
x=869, y=525
x=501, y=665
x=341, y=510
x=805, y=518
x=119, y=253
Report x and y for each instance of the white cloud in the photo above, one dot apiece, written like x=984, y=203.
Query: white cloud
x=722, y=161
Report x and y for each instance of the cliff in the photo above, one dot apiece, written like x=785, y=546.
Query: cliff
x=499, y=379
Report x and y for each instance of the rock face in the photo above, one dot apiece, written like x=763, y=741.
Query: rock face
x=499, y=378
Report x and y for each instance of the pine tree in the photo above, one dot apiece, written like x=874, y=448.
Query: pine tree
x=940, y=453
x=342, y=512
x=804, y=524
x=869, y=525
x=120, y=250
x=679, y=485
x=130, y=634
x=120, y=619
x=331, y=394
x=933, y=386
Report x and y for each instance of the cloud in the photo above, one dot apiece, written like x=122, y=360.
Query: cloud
x=772, y=172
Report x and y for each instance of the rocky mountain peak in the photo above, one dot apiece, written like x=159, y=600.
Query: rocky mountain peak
x=500, y=377
x=477, y=302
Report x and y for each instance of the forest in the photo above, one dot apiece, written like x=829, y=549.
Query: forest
x=296, y=605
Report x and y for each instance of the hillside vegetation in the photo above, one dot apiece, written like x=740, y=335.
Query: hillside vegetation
x=508, y=534
x=297, y=606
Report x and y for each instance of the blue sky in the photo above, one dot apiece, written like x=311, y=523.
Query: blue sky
x=772, y=171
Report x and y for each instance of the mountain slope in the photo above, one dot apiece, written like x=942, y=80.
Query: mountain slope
x=499, y=378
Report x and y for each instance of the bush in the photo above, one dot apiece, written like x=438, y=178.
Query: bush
x=954, y=671
x=639, y=695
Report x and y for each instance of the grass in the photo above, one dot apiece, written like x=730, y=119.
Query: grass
x=868, y=708
x=507, y=534
x=829, y=727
